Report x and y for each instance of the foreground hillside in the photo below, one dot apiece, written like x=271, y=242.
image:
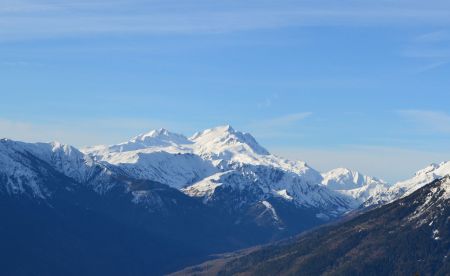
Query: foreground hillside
x=407, y=237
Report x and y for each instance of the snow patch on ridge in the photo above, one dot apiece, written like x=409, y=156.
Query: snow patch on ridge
x=205, y=187
x=270, y=209
x=434, y=204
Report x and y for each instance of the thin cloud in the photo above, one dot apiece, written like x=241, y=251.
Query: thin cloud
x=433, y=66
x=286, y=120
x=427, y=53
x=431, y=48
x=268, y=101
x=433, y=37
x=41, y=19
x=278, y=127
x=17, y=63
x=428, y=120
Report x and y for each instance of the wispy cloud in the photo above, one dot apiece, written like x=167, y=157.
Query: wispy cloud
x=428, y=120
x=18, y=63
x=430, y=53
x=431, y=48
x=268, y=101
x=433, y=66
x=41, y=19
x=279, y=127
x=286, y=120
x=433, y=37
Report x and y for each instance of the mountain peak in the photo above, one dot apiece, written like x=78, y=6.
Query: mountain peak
x=156, y=138
x=343, y=178
x=160, y=133
x=227, y=128
x=218, y=130
x=428, y=169
x=342, y=171
x=440, y=169
x=225, y=138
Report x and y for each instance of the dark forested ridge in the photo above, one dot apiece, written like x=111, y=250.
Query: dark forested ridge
x=410, y=236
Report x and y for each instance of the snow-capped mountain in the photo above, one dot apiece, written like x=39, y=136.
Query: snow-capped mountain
x=23, y=165
x=224, y=143
x=158, y=155
x=155, y=140
x=221, y=158
x=353, y=184
x=267, y=182
x=226, y=147
x=345, y=179
x=222, y=146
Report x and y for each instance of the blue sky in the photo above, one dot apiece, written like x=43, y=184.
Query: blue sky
x=361, y=84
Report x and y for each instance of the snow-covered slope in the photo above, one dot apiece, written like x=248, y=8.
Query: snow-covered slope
x=153, y=141
x=24, y=165
x=345, y=179
x=178, y=161
x=221, y=145
x=226, y=148
x=405, y=188
x=371, y=191
x=176, y=170
x=423, y=177
x=219, y=156
x=222, y=158
x=434, y=204
x=15, y=171
x=353, y=184
x=265, y=182
x=158, y=155
x=224, y=143
x=209, y=158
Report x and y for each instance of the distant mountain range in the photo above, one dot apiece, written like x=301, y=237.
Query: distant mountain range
x=161, y=201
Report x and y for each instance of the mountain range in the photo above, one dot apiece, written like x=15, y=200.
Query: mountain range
x=136, y=201
x=409, y=236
